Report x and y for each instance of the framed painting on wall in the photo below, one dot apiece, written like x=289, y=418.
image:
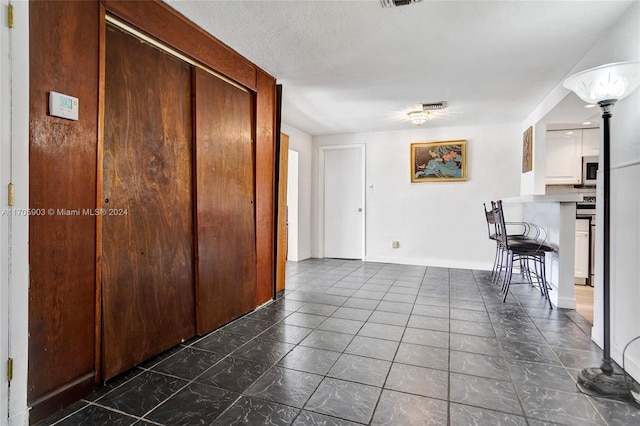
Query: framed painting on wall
x=527, y=150
x=439, y=161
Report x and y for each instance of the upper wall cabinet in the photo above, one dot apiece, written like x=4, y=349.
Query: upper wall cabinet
x=565, y=149
x=564, y=157
x=590, y=142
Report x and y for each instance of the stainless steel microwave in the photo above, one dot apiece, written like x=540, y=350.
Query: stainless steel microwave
x=589, y=170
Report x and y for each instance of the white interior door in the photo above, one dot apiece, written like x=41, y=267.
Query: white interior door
x=344, y=202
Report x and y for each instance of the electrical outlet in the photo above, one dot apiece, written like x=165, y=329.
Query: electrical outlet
x=395, y=244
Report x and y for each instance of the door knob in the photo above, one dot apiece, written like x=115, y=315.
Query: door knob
x=360, y=209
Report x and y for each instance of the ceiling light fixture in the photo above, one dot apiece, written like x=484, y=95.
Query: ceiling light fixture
x=394, y=3
x=418, y=117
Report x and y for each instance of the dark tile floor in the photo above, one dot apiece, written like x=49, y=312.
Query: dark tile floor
x=367, y=343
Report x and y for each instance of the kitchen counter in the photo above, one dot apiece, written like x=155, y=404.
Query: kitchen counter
x=542, y=198
x=556, y=214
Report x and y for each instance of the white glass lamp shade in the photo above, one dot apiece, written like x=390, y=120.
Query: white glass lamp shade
x=418, y=117
x=611, y=82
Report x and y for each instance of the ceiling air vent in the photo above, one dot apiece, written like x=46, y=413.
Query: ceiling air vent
x=434, y=106
x=394, y=3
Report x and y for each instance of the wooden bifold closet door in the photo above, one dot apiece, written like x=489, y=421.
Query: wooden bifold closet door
x=225, y=201
x=147, y=255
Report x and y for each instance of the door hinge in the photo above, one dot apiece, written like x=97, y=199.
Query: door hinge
x=11, y=195
x=10, y=369
x=10, y=16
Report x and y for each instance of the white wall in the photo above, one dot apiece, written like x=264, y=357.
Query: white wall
x=623, y=43
x=300, y=142
x=292, y=206
x=14, y=231
x=620, y=43
x=437, y=224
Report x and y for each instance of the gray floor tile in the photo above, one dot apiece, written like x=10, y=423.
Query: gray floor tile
x=418, y=380
x=473, y=328
x=188, y=363
x=368, y=371
x=519, y=333
x=308, y=418
x=304, y=320
x=233, y=374
x=341, y=325
x=418, y=336
x=469, y=315
x=464, y=415
x=433, y=301
x=399, y=297
x=529, y=352
x=399, y=307
x=390, y=318
x=252, y=411
x=311, y=360
x=281, y=385
x=142, y=393
x=95, y=415
x=263, y=350
x=286, y=333
x=558, y=407
x=328, y=340
x=373, y=348
x=247, y=327
x=423, y=356
x=490, y=367
x=486, y=393
x=575, y=358
x=382, y=331
x=194, y=404
x=543, y=375
x=431, y=311
x=318, y=309
x=429, y=323
x=396, y=408
x=347, y=400
x=616, y=412
x=359, y=303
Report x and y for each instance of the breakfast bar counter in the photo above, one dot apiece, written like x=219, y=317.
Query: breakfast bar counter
x=556, y=214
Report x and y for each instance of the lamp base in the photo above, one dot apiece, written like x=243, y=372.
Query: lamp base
x=614, y=385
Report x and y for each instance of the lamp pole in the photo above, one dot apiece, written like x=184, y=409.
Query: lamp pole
x=606, y=107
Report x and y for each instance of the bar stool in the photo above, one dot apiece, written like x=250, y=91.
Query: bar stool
x=492, y=231
x=529, y=252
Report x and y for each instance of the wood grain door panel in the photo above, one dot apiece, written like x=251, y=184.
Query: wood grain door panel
x=225, y=201
x=147, y=258
x=62, y=177
x=282, y=231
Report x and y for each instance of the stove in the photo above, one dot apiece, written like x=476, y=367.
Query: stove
x=586, y=208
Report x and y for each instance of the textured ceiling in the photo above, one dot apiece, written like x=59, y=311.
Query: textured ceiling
x=353, y=66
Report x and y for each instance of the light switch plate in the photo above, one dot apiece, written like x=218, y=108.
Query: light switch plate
x=63, y=106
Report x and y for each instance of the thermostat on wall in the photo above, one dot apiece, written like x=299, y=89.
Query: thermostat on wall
x=63, y=106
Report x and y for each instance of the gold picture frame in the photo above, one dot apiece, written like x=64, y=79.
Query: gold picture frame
x=439, y=161
x=527, y=150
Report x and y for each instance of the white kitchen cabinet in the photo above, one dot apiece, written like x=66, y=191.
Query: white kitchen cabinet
x=582, y=248
x=564, y=157
x=590, y=142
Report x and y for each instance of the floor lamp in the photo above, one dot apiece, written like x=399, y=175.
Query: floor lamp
x=605, y=85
